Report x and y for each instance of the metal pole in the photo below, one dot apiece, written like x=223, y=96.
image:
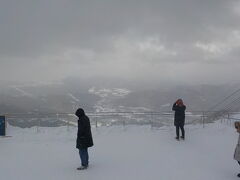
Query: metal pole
x=96, y=122
x=203, y=119
x=68, y=125
x=151, y=120
x=38, y=126
x=228, y=118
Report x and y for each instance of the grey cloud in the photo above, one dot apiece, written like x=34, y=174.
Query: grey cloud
x=34, y=27
x=75, y=37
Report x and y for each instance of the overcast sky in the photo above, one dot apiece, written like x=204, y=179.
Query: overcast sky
x=194, y=41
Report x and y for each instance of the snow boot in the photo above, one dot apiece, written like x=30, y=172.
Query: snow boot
x=177, y=138
x=82, y=167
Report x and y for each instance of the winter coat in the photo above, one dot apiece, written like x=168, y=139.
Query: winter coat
x=84, y=135
x=179, y=116
x=237, y=150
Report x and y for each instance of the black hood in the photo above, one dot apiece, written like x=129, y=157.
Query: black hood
x=80, y=112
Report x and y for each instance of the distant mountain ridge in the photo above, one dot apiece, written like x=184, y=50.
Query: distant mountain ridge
x=67, y=96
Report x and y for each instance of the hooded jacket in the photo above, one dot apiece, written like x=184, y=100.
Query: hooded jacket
x=237, y=150
x=84, y=135
x=179, y=116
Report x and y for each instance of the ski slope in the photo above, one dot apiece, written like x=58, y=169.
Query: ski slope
x=133, y=153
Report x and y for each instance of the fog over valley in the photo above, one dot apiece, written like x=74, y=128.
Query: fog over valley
x=116, y=55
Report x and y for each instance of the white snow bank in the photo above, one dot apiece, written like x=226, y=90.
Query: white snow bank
x=121, y=154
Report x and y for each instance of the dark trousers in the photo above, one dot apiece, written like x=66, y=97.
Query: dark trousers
x=84, y=156
x=182, y=130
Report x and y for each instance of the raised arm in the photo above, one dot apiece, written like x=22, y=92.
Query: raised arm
x=174, y=108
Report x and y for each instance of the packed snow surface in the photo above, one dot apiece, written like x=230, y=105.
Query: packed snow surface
x=130, y=153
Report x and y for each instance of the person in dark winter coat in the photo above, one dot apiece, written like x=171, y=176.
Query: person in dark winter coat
x=179, y=117
x=84, y=138
x=237, y=149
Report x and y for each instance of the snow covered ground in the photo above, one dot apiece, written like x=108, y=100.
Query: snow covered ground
x=133, y=153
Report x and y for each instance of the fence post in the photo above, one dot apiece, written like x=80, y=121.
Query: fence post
x=151, y=120
x=123, y=120
x=203, y=119
x=228, y=116
x=68, y=125
x=38, y=126
x=124, y=124
x=96, y=122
